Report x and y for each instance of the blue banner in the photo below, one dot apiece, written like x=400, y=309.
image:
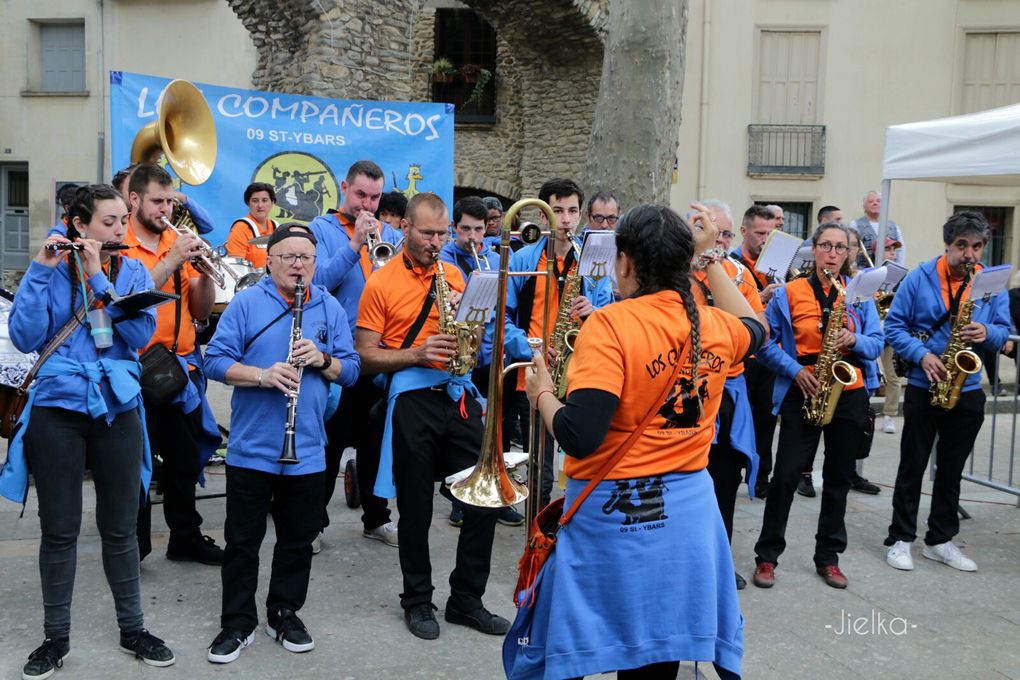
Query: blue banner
x=300, y=145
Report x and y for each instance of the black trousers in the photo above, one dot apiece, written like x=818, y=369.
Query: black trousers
x=351, y=426
x=844, y=436
x=523, y=408
x=726, y=465
x=293, y=501
x=760, y=381
x=956, y=429
x=431, y=441
x=173, y=436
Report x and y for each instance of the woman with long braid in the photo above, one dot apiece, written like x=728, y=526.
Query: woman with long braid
x=645, y=562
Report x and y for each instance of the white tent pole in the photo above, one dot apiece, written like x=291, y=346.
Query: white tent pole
x=883, y=217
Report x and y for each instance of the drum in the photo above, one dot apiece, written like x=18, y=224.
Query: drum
x=14, y=364
x=236, y=269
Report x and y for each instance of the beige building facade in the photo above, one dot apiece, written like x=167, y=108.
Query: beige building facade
x=787, y=101
x=54, y=90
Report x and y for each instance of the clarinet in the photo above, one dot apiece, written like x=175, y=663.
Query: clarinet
x=289, y=454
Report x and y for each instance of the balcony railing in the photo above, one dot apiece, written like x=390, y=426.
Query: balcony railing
x=786, y=150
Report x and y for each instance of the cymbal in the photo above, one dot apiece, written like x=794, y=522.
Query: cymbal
x=260, y=241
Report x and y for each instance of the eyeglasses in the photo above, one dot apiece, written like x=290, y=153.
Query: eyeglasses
x=289, y=258
x=828, y=247
x=607, y=219
x=726, y=234
x=494, y=218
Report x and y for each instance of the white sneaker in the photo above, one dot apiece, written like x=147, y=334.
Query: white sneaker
x=888, y=426
x=899, y=557
x=387, y=533
x=317, y=545
x=950, y=555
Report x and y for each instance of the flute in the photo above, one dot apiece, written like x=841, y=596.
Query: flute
x=57, y=247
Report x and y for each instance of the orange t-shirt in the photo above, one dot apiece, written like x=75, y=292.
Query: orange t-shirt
x=806, y=314
x=240, y=234
x=164, y=334
x=746, y=287
x=393, y=299
x=942, y=269
x=534, y=329
x=629, y=349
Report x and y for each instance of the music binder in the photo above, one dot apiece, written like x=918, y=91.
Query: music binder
x=136, y=302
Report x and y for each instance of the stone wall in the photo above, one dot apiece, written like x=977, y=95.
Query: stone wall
x=549, y=60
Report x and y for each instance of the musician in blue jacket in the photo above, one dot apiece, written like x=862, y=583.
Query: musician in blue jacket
x=918, y=326
x=84, y=404
x=250, y=351
x=343, y=266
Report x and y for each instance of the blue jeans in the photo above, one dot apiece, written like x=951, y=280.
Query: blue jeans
x=57, y=443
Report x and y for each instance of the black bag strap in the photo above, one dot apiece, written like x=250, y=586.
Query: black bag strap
x=423, y=315
x=264, y=329
x=754, y=276
x=177, y=308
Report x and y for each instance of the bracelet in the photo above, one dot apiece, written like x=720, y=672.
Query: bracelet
x=710, y=256
x=538, y=397
x=262, y=372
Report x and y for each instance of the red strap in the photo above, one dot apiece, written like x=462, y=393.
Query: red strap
x=620, y=452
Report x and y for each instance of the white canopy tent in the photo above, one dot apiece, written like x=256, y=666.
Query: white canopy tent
x=976, y=148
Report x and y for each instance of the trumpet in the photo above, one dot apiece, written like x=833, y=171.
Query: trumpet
x=480, y=264
x=379, y=252
x=204, y=263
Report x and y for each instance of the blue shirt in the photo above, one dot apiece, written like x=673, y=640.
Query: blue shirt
x=258, y=414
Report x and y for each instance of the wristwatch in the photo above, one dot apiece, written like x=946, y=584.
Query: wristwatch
x=327, y=361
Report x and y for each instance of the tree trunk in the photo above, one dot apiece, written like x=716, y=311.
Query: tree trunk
x=636, y=126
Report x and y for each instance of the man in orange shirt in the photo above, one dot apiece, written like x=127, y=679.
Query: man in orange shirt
x=433, y=423
x=260, y=199
x=182, y=432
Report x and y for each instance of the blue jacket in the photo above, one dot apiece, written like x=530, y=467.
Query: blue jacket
x=337, y=267
x=779, y=354
x=918, y=306
x=258, y=415
x=453, y=254
x=526, y=259
x=43, y=305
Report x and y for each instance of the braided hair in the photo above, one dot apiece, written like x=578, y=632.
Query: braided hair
x=661, y=245
x=83, y=207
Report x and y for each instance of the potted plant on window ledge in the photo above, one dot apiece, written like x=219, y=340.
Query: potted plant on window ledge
x=481, y=79
x=442, y=70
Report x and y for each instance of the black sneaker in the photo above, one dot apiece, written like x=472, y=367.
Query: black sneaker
x=147, y=647
x=228, y=645
x=285, y=627
x=44, y=661
x=858, y=483
x=422, y=622
x=203, y=550
x=456, y=517
x=480, y=619
x=806, y=486
x=510, y=517
x=741, y=583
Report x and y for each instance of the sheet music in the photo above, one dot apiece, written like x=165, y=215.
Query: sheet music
x=479, y=299
x=804, y=260
x=865, y=284
x=598, y=255
x=777, y=255
x=894, y=274
x=990, y=281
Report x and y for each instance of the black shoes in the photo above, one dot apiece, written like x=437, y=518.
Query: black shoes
x=858, y=483
x=44, y=661
x=421, y=621
x=228, y=645
x=480, y=619
x=147, y=647
x=761, y=490
x=806, y=486
x=203, y=550
x=741, y=583
x=285, y=627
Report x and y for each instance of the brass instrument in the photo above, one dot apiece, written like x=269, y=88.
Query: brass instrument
x=469, y=338
x=184, y=132
x=883, y=301
x=489, y=485
x=205, y=263
x=379, y=252
x=480, y=264
x=289, y=454
x=867, y=258
x=832, y=374
x=960, y=361
x=566, y=328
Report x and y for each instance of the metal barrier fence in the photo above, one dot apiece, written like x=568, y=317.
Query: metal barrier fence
x=998, y=471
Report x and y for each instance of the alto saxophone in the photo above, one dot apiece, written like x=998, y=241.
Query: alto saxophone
x=466, y=332
x=832, y=373
x=566, y=327
x=960, y=361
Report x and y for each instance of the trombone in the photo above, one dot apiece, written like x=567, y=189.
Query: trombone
x=489, y=485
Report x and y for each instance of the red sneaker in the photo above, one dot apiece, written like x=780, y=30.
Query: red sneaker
x=764, y=575
x=832, y=575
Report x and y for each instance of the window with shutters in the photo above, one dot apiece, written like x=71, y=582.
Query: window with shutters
x=991, y=71
x=63, y=57
x=785, y=137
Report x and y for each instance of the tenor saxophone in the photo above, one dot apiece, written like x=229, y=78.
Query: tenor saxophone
x=466, y=332
x=960, y=361
x=832, y=373
x=566, y=327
